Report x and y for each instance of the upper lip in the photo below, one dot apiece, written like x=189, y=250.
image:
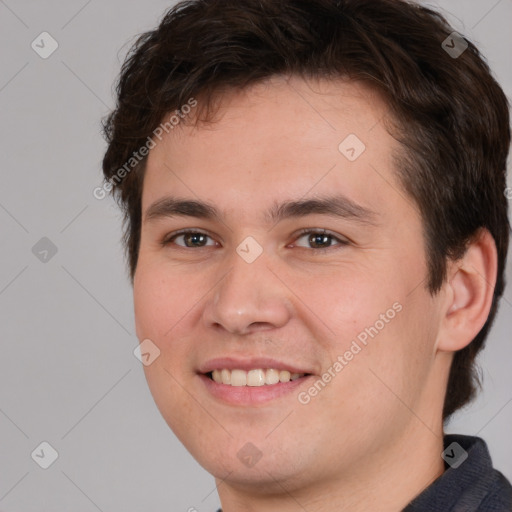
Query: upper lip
x=247, y=364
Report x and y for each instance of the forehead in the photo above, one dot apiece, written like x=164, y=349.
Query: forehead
x=283, y=138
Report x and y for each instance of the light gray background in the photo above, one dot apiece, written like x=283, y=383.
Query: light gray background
x=68, y=375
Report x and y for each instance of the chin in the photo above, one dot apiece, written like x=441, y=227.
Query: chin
x=246, y=464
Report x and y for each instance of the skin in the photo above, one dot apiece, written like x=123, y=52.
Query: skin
x=378, y=423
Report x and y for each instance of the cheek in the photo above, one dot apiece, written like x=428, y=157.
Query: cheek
x=158, y=303
x=378, y=329
x=164, y=311
x=347, y=303
x=158, y=307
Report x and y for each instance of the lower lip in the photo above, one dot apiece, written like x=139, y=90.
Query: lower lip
x=251, y=395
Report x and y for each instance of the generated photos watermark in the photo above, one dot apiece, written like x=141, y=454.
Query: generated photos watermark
x=139, y=155
x=304, y=397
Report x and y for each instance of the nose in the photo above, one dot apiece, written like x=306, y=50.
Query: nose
x=249, y=298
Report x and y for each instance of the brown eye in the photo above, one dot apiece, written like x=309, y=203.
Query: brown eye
x=320, y=239
x=191, y=239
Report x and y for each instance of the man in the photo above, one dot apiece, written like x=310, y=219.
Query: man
x=317, y=232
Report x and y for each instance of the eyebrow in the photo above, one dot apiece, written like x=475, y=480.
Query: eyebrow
x=338, y=206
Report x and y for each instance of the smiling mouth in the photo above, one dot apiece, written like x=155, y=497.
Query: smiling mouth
x=253, y=378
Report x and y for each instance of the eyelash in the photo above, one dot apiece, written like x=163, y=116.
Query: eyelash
x=307, y=231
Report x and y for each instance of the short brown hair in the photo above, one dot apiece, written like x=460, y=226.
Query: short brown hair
x=451, y=116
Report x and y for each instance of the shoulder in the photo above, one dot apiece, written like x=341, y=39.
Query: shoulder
x=499, y=496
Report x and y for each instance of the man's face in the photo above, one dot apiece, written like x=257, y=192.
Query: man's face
x=250, y=291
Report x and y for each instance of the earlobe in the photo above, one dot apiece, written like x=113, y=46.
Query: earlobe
x=470, y=284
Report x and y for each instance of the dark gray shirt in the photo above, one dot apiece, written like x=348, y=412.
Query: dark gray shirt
x=474, y=486
x=469, y=484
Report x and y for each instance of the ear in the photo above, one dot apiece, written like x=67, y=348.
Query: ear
x=469, y=290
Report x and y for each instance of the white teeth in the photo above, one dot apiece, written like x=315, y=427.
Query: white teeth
x=253, y=378
x=284, y=376
x=238, y=378
x=226, y=377
x=256, y=378
x=271, y=376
